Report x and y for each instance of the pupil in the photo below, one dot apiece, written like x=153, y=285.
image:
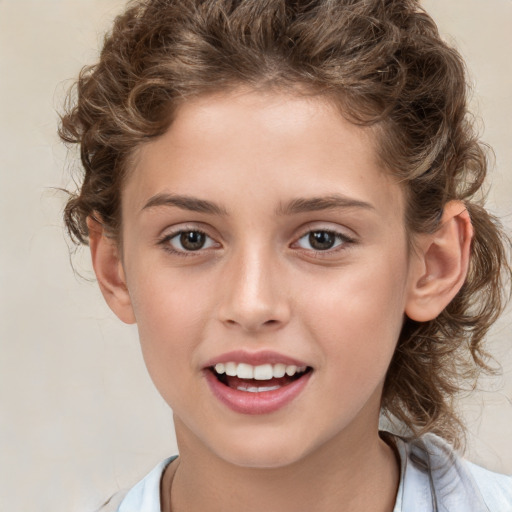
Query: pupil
x=321, y=240
x=192, y=240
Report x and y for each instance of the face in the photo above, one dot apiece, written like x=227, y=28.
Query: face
x=260, y=234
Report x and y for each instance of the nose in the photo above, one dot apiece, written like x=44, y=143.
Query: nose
x=256, y=296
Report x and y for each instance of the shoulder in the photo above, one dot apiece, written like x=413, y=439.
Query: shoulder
x=495, y=487
x=432, y=468
x=145, y=495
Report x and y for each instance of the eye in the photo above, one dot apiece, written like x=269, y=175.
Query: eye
x=187, y=240
x=322, y=240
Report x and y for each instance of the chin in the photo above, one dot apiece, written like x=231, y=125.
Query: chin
x=257, y=459
x=262, y=450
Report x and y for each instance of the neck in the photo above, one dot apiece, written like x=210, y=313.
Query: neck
x=348, y=473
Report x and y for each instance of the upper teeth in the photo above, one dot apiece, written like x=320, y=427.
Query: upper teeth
x=262, y=372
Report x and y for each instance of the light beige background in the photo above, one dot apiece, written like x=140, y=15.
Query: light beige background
x=79, y=417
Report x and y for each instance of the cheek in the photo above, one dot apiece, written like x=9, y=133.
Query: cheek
x=358, y=315
x=168, y=300
x=170, y=314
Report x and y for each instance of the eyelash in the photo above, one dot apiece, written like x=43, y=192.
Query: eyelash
x=342, y=238
x=165, y=242
x=344, y=242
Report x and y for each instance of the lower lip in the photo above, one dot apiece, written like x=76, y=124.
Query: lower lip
x=265, y=402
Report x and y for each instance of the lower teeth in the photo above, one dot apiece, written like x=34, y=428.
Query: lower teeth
x=257, y=390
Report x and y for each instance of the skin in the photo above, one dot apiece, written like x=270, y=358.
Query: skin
x=258, y=284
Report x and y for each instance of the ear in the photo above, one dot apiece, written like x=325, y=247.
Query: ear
x=441, y=264
x=109, y=271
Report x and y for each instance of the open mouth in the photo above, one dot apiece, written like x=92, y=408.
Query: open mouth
x=257, y=379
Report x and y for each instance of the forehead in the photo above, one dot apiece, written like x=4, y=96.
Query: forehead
x=261, y=144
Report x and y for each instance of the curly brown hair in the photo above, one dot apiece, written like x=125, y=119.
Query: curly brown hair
x=384, y=64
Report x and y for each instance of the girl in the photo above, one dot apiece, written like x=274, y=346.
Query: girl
x=283, y=195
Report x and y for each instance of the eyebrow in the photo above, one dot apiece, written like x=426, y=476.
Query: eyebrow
x=185, y=203
x=298, y=205
x=330, y=202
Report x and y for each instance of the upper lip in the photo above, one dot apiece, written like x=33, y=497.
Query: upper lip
x=255, y=358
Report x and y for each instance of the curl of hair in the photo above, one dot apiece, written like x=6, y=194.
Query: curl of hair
x=384, y=64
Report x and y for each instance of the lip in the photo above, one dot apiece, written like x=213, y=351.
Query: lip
x=265, y=402
x=255, y=358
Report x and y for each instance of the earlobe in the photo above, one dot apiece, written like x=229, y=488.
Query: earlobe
x=441, y=264
x=109, y=271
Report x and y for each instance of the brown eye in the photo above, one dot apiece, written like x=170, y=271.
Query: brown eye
x=192, y=240
x=187, y=241
x=321, y=240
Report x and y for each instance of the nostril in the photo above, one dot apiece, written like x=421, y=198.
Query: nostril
x=252, y=325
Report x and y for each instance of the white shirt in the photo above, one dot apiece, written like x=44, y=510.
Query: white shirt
x=433, y=478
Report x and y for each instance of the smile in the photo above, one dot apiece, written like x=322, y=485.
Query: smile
x=256, y=389
x=261, y=372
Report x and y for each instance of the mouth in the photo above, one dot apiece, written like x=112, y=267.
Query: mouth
x=256, y=389
x=257, y=379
